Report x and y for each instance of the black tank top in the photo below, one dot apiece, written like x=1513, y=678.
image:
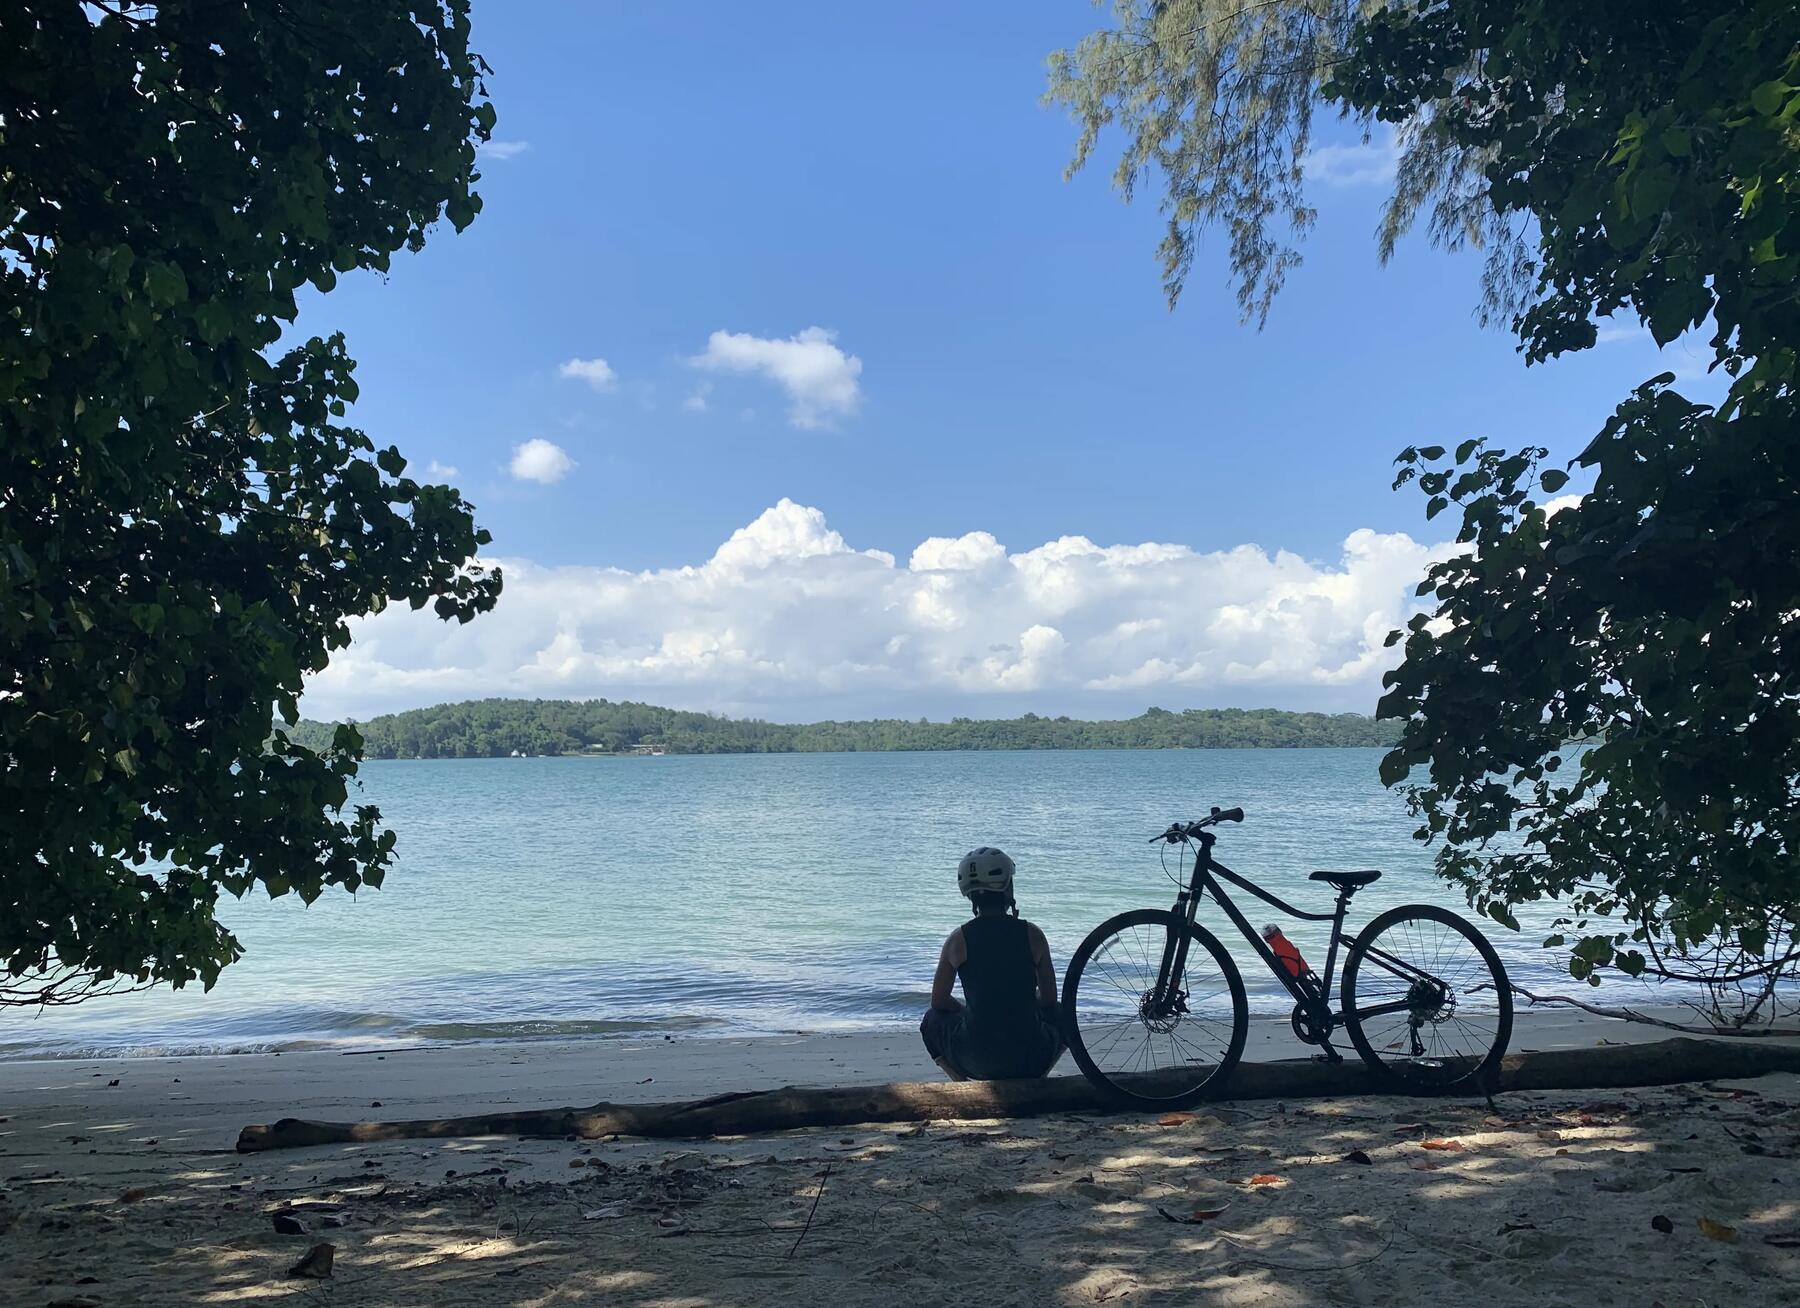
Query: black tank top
x=999, y=984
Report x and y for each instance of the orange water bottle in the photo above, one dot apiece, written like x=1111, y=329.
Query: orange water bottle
x=1285, y=951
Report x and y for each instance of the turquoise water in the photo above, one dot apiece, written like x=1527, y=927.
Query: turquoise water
x=747, y=893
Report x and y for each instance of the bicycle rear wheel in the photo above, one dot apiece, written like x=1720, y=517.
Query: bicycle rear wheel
x=1135, y=1050
x=1426, y=1001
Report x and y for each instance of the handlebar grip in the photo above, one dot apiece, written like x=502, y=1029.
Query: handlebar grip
x=1228, y=815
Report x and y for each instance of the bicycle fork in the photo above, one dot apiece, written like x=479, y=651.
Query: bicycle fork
x=1167, y=998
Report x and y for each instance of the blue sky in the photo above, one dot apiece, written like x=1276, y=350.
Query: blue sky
x=1001, y=361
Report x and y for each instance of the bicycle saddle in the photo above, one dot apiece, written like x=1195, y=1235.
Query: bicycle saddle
x=1346, y=880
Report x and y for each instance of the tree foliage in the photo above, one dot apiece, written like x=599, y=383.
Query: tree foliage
x=1653, y=154
x=186, y=522
x=496, y=728
x=1657, y=150
x=1217, y=97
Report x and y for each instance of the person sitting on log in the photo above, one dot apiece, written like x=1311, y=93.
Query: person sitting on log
x=1006, y=1024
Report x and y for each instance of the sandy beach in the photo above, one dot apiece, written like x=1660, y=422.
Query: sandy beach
x=120, y=1187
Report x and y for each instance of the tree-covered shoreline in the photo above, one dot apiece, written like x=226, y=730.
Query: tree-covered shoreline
x=496, y=728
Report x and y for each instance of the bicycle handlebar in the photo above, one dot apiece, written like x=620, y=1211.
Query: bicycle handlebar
x=1180, y=831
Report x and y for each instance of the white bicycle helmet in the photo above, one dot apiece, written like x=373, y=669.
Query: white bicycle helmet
x=985, y=869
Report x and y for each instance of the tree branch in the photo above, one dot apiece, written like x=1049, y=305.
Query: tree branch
x=1632, y=1015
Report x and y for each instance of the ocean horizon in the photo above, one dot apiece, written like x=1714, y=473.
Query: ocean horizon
x=555, y=898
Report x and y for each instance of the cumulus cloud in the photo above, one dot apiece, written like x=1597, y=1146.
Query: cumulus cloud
x=502, y=150
x=787, y=616
x=696, y=403
x=1366, y=163
x=436, y=469
x=541, y=461
x=1555, y=506
x=821, y=381
x=597, y=373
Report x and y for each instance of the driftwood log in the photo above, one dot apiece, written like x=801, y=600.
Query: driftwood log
x=1666, y=1062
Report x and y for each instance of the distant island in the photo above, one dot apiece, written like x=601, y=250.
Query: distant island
x=499, y=728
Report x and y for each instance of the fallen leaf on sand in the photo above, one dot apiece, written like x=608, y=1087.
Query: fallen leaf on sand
x=315, y=1262
x=1409, y=1128
x=134, y=1194
x=1264, y=1178
x=601, y=1214
x=1663, y=1224
x=1195, y=1218
x=1783, y=1239
x=287, y=1224
x=1444, y=1145
x=1358, y=1156
x=1718, y=1231
x=75, y=1301
x=1174, y=1119
x=1425, y=1165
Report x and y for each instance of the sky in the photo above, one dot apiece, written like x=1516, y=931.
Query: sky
x=794, y=380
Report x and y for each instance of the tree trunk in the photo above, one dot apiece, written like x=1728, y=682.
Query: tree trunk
x=1665, y=1062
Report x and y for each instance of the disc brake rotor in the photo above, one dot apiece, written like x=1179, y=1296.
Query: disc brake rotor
x=1165, y=1017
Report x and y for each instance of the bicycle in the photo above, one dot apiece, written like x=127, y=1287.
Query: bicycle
x=1156, y=1023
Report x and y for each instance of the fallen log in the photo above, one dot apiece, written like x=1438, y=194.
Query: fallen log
x=1666, y=1062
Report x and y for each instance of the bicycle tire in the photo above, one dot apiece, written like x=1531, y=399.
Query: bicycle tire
x=1159, y=1088
x=1454, y=1060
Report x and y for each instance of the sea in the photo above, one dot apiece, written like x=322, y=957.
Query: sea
x=562, y=898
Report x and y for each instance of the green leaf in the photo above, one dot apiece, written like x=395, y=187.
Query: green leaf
x=1768, y=98
x=164, y=283
x=1553, y=480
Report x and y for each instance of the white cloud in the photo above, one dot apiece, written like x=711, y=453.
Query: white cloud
x=436, y=469
x=819, y=378
x=1367, y=163
x=540, y=460
x=597, y=373
x=789, y=618
x=502, y=150
x=696, y=403
x=1561, y=502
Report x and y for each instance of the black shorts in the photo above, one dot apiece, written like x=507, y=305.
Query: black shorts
x=946, y=1040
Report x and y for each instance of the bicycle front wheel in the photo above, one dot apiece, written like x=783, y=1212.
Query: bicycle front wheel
x=1149, y=1046
x=1426, y=1001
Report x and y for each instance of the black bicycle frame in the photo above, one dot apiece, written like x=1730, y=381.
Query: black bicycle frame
x=1313, y=997
x=1205, y=880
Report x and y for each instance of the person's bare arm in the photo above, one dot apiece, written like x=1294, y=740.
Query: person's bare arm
x=943, y=984
x=1046, y=971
